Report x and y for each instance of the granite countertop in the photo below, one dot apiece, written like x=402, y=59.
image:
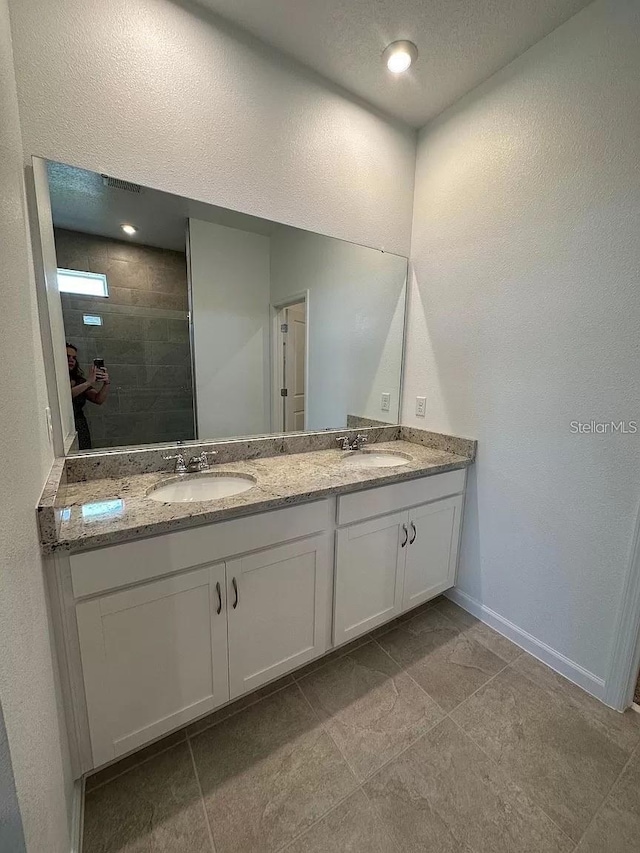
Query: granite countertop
x=108, y=511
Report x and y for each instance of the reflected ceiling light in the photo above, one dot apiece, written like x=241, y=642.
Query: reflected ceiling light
x=129, y=229
x=399, y=55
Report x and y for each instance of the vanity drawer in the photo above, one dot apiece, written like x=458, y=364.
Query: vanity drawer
x=372, y=502
x=132, y=562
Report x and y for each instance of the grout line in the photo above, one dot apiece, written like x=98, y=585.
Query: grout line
x=297, y=837
x=187, y=737
x=446, y=713
x=464, y=628
x=564, y=702
x=512, y=781
x=408, y=674
x=608, y=794
x=482, y=686
x=328, y=733
x=204, y=806
x=295, y=679
x=409, y=746
x=369, y=776
x=396, y=845
x=232, y=713
x=330, y=658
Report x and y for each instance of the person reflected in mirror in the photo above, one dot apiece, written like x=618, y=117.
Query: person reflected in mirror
x=83, y=389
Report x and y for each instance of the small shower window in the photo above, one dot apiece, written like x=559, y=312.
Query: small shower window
x=82, y=283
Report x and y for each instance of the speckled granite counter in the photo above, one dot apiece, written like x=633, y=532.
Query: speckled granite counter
x=95, y=512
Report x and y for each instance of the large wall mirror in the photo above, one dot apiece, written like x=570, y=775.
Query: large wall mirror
x=175, y=320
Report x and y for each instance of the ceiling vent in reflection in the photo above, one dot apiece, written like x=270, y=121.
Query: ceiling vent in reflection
x=117, y=184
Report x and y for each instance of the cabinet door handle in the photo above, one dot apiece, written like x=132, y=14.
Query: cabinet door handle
x=415, y=534
x=406, y=535
x=234, y=584
x=219, y=591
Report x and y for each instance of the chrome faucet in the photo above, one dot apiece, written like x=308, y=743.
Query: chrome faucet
x=201, y=462
x=353, y=443
x=180, y=466
x=195, y=463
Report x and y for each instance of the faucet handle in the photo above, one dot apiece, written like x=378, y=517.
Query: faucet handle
x=362, y=439
x=345, y=442
x=181, y=465
x=202, y=461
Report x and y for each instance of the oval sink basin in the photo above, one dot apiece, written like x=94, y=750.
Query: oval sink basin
x=203, y=487
x=374, y=459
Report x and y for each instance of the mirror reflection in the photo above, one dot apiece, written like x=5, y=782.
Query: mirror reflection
x=185, y=321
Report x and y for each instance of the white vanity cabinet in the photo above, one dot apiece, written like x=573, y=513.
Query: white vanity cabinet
x=369, y=560
x=395, y=561
x=278, y=609
x=431, y=552
x=154, y=633
x=153, y=657
x=163, y=651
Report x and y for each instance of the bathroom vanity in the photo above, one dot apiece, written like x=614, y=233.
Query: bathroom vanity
x=167, y=611
x=189, y=567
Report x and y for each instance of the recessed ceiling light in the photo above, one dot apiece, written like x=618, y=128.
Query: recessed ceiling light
x=129, y=229
x=399, y=55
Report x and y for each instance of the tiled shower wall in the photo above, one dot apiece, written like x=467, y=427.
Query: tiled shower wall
x=144, y=338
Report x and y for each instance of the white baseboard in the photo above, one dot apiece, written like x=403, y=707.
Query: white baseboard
x=77, y=817
x=557, y=661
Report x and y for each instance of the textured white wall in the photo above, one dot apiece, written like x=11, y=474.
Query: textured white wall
x=11, y=833
x=356, y=322
x=525, y=315
x=230, y=308
x=27, y=684
x=146, y=90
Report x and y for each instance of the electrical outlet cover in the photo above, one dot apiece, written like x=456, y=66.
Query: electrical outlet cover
x=385, y=403
x=421, y=407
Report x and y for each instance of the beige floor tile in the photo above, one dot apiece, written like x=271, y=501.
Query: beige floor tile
x=560, y=758
x=616, y=827
x=371, y=709
x=125, y=764
x=485, y=635
x=352, y=827
x=331, y=656
x=440, y=656
x=232, y=708
x=154, y=807
x=268, y=773
x=445, y=796
x=623, y=729
x=405, y=617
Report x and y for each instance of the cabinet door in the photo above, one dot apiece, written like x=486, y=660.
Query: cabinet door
x=369, y=572
x=432, y=552
x=153, y=658
x=278, y=606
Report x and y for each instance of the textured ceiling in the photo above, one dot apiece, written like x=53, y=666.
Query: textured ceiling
x=461, y=42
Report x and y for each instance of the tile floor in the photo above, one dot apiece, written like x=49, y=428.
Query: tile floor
x=434, y=734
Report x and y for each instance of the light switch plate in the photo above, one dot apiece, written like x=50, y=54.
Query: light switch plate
x=385, y=403
x=421, y=407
